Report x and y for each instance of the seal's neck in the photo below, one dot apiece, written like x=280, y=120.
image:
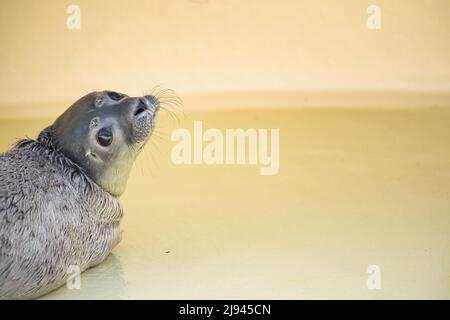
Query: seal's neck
x=112, y=178
x=45, y=137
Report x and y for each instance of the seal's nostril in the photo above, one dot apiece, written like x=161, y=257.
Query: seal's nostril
x=141, y=107
x=139, y=110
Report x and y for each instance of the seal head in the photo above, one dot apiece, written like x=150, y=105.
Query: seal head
x=103, y=132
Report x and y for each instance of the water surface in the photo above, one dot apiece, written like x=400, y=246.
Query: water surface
x=355, y=188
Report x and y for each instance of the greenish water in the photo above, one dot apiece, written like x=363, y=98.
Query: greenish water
x=355, y=188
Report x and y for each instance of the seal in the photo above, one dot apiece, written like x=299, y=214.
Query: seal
x=59, y=207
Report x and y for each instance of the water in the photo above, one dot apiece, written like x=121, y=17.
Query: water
x=355, y=188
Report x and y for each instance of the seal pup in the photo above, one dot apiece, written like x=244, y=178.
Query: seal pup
x=59, y=193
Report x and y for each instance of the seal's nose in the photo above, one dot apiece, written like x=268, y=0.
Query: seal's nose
x=141, y=107
x=147, y=103
x=154, y=103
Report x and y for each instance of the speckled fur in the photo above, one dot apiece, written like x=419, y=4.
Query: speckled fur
x=51, y=216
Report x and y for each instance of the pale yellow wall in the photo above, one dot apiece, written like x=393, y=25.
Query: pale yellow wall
x=221, y=45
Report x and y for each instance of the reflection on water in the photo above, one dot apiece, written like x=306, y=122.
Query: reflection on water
x=93, y=283
x=355, y=188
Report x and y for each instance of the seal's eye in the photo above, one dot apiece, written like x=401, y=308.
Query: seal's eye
x=105, y=136
x=114, y=95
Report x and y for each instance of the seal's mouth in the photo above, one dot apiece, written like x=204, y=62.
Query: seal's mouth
x=144, y=118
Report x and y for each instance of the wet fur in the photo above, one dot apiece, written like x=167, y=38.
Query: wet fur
x=52, y=216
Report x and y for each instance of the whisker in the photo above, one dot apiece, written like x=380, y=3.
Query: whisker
x=169, y=102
